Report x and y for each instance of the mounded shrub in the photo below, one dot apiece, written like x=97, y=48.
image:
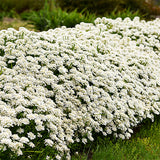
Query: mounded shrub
x=60, y=86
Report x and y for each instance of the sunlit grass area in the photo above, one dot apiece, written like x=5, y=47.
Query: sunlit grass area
x=15, y=23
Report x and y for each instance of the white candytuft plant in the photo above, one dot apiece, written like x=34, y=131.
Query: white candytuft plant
x=71, y=82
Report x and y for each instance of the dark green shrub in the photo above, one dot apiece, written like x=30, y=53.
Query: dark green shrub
x=93, y=6
x=101, y=7
x=135, y=5
x=2, y=14
x=20, y=5
x=124, y=13
x=51, y=16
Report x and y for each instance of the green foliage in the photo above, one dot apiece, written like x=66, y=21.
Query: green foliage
x=51, y=17
x=125, y=13
x=48, y=18
x=11, y=13
x=94, y=6
x=102, y=7
x=135, y=5
x=2, y=15
x=1, y=71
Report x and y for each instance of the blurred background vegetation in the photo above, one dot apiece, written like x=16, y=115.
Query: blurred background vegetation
x=99, y=7
x=46, y=14
x=20, y=5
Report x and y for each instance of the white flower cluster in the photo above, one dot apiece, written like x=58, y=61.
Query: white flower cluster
x=71, y=82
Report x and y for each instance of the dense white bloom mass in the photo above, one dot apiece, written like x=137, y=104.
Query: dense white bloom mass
x=101, y=77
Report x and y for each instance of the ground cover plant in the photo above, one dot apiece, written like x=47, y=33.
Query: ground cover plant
x=60, y=87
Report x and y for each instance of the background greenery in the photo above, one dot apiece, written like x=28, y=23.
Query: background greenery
x=48, y=18
x=103, y=7
x=20, y=5
x=47, y=14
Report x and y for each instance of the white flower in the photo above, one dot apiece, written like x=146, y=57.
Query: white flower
x=6, y=141
x=39, y=135
x=62, y=70
x=127, y=135
x=20, y=130
x=15, y=137
x=48, y=158
x=19, y=152
x=48, y=142
x=84, y=140
x=24, y=140
x=121, y=136
x=58, y=157
x=31, y=144
x=24, y=121
x=31, y=135
x=31, y=116
x=39, y=128
x=3, y=148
